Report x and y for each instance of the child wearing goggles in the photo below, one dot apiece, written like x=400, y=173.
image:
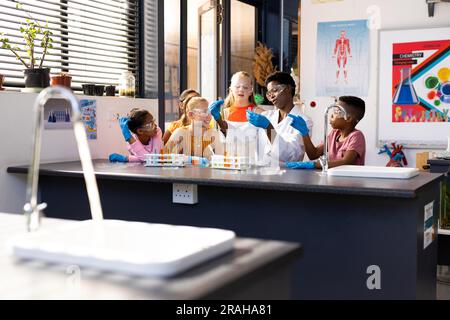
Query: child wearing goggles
x=346, y=144
x=142, y=135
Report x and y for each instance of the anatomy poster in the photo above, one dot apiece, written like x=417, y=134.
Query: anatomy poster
x=421, y=81
x=342, y=58
x=88, y=110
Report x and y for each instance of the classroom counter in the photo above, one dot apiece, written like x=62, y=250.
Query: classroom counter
x=363, y=238
x=288, y=180
x=255, y=269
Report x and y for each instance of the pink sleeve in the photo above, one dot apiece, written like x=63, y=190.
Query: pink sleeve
x=137, y=150
x=357, y=143
x=132, y=158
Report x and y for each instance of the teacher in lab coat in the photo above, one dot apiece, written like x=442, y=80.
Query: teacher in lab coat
x=286, y=142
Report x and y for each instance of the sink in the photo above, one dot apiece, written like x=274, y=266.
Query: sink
x=134, y=248
x=374, y=172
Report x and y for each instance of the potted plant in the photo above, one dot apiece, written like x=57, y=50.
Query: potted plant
x=34, y=35
x=2, y=79
x=263, y=67
x=62, y=79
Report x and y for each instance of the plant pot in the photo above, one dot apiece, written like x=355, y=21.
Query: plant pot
x=37, y=78
x=99, y=90
x=88, y=89
x=2, y=78
x=61, y=80
x=110, y=91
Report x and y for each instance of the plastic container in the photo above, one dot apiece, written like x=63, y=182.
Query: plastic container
x=2, y=79
x=110, y=91
x=127, y=86
x=88, y=89
x=99, y=90
x=62, y=79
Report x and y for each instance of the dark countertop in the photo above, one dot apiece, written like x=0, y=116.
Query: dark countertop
x=289, y=180
x=28, y=279
x=441, y=162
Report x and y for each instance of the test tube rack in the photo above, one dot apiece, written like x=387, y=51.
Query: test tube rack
x=230, y=162
x=164, y=160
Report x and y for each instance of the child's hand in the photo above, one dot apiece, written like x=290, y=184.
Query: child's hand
x=300, y=124
x=123, y=122
x=215, y=109
x=258, y=120
x=115, y=157
x=301, y=165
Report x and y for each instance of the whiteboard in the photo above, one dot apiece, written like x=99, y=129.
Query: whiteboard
x=409, y=134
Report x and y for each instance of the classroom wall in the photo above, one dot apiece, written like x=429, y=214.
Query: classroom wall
x=391, y=14
x=57, y=145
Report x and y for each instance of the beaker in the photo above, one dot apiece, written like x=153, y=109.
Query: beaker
x=405, y=93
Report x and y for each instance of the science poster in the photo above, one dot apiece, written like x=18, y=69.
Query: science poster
x=421, y=81
x=88, y=109
x=414, y=87
x=342, y=58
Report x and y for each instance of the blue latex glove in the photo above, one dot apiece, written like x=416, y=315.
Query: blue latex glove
x=123, y=122
x=257, y=120
x=300, y=124
x=215, y=109
x=115, y=157
x=301, y=165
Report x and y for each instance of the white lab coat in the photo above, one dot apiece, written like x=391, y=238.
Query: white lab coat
x=288, y=143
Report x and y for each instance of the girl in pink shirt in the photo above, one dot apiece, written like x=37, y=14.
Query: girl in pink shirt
x=346, y=144
x=146, y=137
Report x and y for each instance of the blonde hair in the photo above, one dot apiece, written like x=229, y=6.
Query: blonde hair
x=185, y=97
x=193, y=102
x=230, y=99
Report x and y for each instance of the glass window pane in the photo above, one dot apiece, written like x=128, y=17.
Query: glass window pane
x=192, y=21
x=172, y=58
x=243, y=17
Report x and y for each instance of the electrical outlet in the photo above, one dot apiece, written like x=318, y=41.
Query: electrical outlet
x=185, y=193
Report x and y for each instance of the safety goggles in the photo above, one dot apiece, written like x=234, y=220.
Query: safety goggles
x=276, y=90
x=148, y=126
x=202, y=112
x=338, y=112
x=242, y=87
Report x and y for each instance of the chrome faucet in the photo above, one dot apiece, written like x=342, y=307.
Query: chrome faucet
x=324, y=158
x=32, y=209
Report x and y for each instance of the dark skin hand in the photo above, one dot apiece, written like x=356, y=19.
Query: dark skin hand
x=223, y=125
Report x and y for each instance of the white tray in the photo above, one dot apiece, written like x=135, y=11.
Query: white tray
x=374, y=172
x=134, y=248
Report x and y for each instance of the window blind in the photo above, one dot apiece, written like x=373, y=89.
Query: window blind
x=93, y=40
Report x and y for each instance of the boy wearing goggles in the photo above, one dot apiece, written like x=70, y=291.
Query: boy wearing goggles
x=346, y=144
